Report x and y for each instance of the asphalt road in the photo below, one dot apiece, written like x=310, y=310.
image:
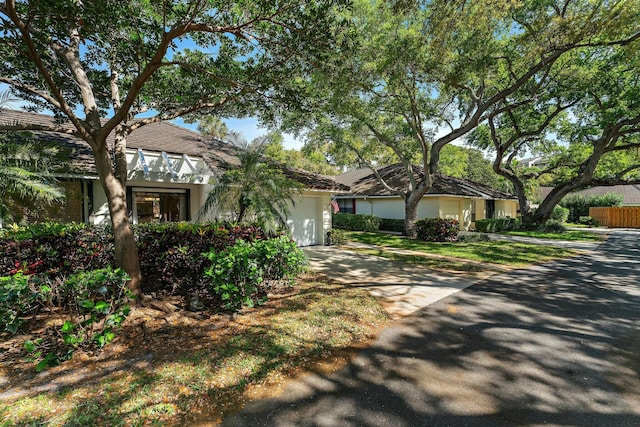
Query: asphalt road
x=557, y=344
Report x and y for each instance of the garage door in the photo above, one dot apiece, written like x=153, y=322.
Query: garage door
x=305, y=223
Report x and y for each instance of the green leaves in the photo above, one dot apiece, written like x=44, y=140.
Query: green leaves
x=256, y=190
x=16, y=300
x=26, y=177
x=240, y=275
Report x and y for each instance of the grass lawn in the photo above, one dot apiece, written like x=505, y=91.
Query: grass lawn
x=178, y=370
x=496, y=252
x=570, y=235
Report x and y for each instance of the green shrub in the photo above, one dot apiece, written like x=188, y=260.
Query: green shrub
x=579, y=205
x=356, y=222
x=437, y=229
x=98, y=301
x=235, y=276
x=338, y=237
x=58, y=250
x=496, y=225
x=16, y=299
x=240, y=275
x=170, y=253
x=559, y=214
x=589, y=221
x=552, y=227
x=95, y=303
x=281, y=258
x=392, y=224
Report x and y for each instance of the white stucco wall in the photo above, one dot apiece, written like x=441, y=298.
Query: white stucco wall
x=459, y=208
x=394, y=207
x=310, y=218
x=429, y=207
x=382, y=208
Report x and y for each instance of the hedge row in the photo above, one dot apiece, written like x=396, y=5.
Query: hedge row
x=69, y=267
x=579, y=205
x=171, y=255
x=356, y=222
x=496, y=225
x=392, y=224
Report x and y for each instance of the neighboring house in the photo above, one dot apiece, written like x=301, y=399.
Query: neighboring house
x=630, y=193
x=537, y=162
x=449, y=197
x=170, y=172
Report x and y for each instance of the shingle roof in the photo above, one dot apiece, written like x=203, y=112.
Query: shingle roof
x=630, y=193
x=158, y=137
x=363, y=182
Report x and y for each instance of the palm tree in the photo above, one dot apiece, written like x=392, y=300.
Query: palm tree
x=212, y=126
x=256, y=190
x=25, y=171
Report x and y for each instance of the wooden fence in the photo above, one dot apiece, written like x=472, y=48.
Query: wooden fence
x=617, y=217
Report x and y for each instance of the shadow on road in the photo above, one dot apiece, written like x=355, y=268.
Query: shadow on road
x=555, y=344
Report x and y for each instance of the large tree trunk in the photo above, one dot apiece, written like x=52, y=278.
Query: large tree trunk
x=544, y=211
x=411, y=213
x=126, y=252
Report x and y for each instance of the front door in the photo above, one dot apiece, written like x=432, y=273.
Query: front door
x=490, y=208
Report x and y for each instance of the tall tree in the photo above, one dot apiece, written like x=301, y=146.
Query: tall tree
x=425, y=73
x=583, y=118
x=212, y=126
x=99, y=64
x=308, y=160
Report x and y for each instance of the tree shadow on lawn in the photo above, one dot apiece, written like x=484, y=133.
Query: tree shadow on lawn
x=162, y=371
x=555, y=344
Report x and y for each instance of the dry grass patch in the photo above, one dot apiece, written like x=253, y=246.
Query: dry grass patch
x=179, y=370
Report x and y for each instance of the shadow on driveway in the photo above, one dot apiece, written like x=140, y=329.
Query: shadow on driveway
x=555, y=344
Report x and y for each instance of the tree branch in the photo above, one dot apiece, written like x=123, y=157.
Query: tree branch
x=31, y=89
x=12, y=14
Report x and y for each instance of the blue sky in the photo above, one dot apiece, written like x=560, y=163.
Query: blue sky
x=250, y=129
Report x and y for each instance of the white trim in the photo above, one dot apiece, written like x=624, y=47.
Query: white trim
x=167, y=162
x=158, y=190
x=75, y=176
x=143, y=161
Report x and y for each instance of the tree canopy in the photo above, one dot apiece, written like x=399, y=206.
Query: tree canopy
x=110, y=66
x=582, y=117
x=425, y=73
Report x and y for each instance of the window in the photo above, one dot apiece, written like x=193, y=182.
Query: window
x=159, y=206
x=346, y=205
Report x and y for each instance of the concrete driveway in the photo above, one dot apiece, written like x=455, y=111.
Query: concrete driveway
x=401, y=288
x=557, y=344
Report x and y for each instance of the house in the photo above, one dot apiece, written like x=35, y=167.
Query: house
x=170, y=172
x=630, y=192
x=449, y=197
